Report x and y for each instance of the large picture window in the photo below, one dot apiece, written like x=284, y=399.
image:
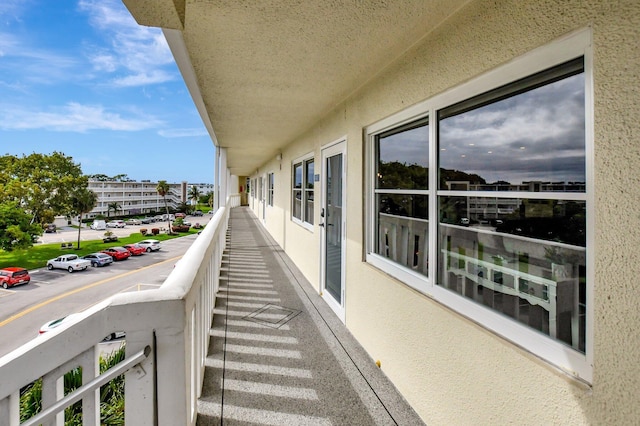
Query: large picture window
x=303, y=191
x=519, y=255
x=485, y=205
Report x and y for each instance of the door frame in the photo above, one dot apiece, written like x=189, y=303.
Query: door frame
x=329, y=150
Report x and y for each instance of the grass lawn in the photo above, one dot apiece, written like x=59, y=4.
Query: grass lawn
x=37, y=256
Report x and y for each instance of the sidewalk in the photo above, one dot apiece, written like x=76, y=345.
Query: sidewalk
x=279, y=355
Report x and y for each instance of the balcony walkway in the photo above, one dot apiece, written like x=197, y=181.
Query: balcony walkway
x=278, y=354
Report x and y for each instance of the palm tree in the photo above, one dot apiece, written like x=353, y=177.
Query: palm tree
x=194, y=193
x=83, y=201
x=210, y=199
x=113, y=206
x=163, y=190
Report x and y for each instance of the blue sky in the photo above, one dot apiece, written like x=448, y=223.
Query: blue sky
x=82, y=78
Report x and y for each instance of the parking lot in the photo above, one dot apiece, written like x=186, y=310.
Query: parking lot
x=69, y=234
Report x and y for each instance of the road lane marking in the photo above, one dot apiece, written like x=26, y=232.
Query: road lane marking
x=78, y=290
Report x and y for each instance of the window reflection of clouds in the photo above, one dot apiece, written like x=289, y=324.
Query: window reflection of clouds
x=297, y=183
x=536, y=135
x=309, y=174
x=408, y=147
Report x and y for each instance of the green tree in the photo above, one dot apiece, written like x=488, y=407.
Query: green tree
x=40, y=183
x=99, y=177
x=111, y=394
x=209, y=200
x=83, y=200
x=121, y=178
x=113, y=206
x=163, y=189
x=16, y=229
x=184, y=208
x=194, y=193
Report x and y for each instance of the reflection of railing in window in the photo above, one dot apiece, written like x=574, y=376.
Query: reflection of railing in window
x=404, y=240
x=514, y=274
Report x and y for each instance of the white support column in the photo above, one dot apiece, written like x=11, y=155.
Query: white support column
x=222, y=178
x=234, y=185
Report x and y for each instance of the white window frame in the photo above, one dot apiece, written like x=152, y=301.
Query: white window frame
x=304, y=160
x=573, y=362
x=271, y=178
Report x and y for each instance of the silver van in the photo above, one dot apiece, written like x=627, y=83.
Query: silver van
x=99, y=225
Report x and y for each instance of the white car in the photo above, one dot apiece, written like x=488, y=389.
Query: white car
x=51, y=325
x=70, y=262
x=150, y=245
x=133, y=222
x=116, y=224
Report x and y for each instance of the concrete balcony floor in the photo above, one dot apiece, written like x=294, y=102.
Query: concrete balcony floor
x=278, y=354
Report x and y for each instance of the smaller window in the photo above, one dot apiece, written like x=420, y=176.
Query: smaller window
x=270, y=189
x=303, y=191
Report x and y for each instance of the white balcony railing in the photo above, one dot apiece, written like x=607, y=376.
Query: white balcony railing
x=167, y=336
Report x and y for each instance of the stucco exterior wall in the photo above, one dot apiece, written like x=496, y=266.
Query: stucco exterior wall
x=450, y=369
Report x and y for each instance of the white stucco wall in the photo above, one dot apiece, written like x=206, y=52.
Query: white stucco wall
x=451, y=370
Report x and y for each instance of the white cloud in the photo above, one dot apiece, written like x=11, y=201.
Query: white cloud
x=140, y=52
x=75, y=117
x=155, y=76
x=12, y=8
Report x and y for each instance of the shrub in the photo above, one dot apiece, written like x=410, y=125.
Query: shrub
x=180, y=228
x=155, y=231
x=111, y=395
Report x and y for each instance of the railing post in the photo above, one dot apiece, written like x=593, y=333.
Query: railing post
x=10, y=410
x=140, y=395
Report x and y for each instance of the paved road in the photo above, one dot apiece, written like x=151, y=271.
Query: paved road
x=57, y=293
x=68, y=234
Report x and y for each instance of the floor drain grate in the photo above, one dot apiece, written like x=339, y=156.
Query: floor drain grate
x=273, y=316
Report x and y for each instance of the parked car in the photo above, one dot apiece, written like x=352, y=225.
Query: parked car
x=147, y=220
x=116, y=224
x=117, y=253
x=198, y=213
x=182, y=215
x=13, y=276
x=98, y=225
x=150, y=245
x=135, y=249
x=98, y=259
x=50, y=228
x=70, y=262
x=133, y=222
x=51, y=325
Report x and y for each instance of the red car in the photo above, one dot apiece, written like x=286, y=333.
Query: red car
x=135, y=249
x=118, y=253
x=14, y=276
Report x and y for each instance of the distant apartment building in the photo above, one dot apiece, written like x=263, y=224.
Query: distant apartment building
x=203, y=189
x=483, y=208
x=135, y=197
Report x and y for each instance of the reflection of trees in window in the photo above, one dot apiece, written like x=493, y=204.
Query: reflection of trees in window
x=397, y=175
x=402, y=196
x=523, y=256
x=551, y=220
x=458, y=176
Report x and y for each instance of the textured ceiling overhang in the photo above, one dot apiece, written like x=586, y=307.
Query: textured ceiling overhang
x=263, y=72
